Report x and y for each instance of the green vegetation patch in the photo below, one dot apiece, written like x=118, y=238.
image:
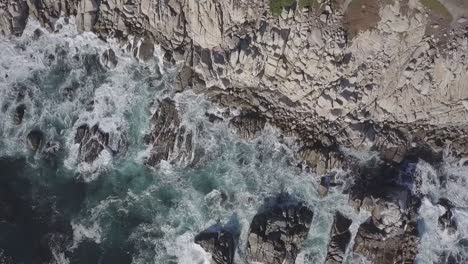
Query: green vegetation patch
x=436, y=7
x=277, y=6
x=308, y=3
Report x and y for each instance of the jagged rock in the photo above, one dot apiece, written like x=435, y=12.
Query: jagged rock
x=378, y=247
x=35, y=139
x=92, y=142
x=170, y=140
x=220, y=242
x=390, y=234
x=13, y=16
x=184, y=78
x=248, y=125
x=52, y=147
x=278, y=230
x=340, y=237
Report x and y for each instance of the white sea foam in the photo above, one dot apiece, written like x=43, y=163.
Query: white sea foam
x=180, y=201
x=81, y=232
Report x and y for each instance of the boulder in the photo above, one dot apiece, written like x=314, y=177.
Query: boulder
x=277, y=232
x=146, y=49
x=220, y=242
x=92, y=141
x=340, y=237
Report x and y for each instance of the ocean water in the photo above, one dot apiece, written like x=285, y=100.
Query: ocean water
x=55, y=209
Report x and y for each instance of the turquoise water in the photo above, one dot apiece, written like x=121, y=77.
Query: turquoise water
x=118, y=210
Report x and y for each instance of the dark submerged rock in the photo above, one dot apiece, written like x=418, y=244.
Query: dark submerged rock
x=220, y=242
x=278, y=230
x=19, y=114
x=35, y=138
x=340, y=238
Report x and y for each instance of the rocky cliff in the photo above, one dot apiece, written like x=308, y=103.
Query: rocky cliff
x=362, y=74
x=382, y=75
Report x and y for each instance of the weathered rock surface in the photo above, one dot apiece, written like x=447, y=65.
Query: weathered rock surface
x=364, y=76
x=248, y=125
x=220, y=242
x=278, y=230
x=320, y=159
x=340, y=237
x=93, y=141
x=169, y=139
x=390, y=235
x=378, y=247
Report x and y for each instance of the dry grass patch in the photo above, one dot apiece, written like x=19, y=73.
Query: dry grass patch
x=361, y=15
x=437, y=7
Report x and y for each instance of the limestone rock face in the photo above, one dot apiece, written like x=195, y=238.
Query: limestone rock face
x=363, y=76
x=169, y=139
x=277, y=232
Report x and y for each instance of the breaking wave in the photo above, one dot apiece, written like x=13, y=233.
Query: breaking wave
x=118, y=210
